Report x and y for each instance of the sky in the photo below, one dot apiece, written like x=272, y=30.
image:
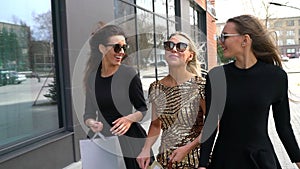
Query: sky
x=22, y=9
x=226, y=9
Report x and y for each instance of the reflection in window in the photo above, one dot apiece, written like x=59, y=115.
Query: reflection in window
x=147, y=32
x=160, y=7
x=146, y=4
x=171, y=9
x=28, y=102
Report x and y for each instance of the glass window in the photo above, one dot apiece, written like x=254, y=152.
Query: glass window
x=290, y=41
x=198, y=31
x=290, y=33
x=171, y=9
x=160, y=7
x=146, y=4
x=147, y=33
x=28, y=102
x=290, y=23
x=278, y=24
x=290, y=50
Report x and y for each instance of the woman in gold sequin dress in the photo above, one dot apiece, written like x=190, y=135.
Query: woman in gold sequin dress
x=177, y=108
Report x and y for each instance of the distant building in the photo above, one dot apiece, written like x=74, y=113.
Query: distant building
x=42, y=59
x=288, y=34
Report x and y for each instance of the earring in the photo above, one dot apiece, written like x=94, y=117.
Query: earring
x=243, y=44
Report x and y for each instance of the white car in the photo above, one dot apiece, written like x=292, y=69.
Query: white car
x=16, y=78
x=285, y=58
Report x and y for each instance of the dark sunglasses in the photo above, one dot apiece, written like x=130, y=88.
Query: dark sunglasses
x=118, y=47
x=223, y=36
x=180, y=47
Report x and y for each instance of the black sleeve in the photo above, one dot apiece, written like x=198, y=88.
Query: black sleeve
x=90, y=101
x=136, y=95
x=207, y=139
x=281, y=114
x=215, y=90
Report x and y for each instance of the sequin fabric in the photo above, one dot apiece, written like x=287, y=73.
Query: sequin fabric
x=178, y=108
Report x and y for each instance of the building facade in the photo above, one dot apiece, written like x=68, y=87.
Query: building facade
x=34, y=132
x=288, y=35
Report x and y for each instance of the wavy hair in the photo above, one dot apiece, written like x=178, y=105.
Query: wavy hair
x=194, y=65
x=100, y=36
x=263, y=45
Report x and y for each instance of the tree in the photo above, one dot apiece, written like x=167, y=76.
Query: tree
x=10, y=50
x=52, y=92
x=221, y=55
x=43, y=30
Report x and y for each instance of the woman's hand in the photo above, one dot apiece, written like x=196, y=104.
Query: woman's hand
x=143, y=159
x=179, y=154
x=96, y=126
x=121, y=126
x=298, y=164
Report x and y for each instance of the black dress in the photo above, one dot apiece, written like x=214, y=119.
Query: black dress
x=115, y=97
x=243, y=141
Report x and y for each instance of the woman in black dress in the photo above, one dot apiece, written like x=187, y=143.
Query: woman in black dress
x=240, y=94
x=112, y=90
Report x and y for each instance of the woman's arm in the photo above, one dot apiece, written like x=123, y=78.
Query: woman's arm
x=154, y=131
x=122, y=125
x=281, y=114
x=136, y=96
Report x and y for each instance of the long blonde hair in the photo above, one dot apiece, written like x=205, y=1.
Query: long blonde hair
x=194, y=65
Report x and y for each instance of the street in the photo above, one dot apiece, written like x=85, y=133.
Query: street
x=18, y=117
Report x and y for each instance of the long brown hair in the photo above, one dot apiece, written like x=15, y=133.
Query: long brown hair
x=263, y=45
x=100, y=36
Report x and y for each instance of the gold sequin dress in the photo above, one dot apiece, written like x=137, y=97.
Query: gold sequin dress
x=178, y=109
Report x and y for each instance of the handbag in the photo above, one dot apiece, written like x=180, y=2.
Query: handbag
x=103, y=152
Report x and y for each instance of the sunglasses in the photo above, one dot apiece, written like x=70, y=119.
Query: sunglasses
x=118, y=47
x=180, y=47
x=223, y=36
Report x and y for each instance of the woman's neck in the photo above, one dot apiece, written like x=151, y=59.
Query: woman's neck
x=108, y=69
x=245, y=61
x=178, y=76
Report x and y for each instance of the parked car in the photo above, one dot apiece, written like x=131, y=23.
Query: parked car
x=4, y=76
x=15, y=77
x=284, y=58
x=159, y=63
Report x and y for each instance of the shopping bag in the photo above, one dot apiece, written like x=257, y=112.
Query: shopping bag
x=155, y=165
x=101, y=153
